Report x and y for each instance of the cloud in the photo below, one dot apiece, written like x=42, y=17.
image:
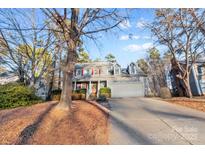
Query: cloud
x=146, y=37
x=133, y=48
x=147, y=45
x=130, y=36
x=141, y=24
x=125, y=24
x=137, y=47
x=135, y=37
x=124, y=37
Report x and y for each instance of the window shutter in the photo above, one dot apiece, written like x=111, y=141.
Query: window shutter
x=92, y=71
x=82, y=72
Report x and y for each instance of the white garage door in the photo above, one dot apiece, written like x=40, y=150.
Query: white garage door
x=126, y=89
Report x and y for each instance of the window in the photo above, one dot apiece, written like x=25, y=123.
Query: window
x=102, y=84
x=117, y=70
x=86, y=72
x=83, y=86
x=111, y=70
x=96, y=71
x=78, y=86
x=78, y=72
x=132, y=69
x=200, y=70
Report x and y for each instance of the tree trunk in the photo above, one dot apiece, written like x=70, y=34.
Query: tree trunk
x=32, y=83
x=66, y=94
x=59, y=72
x=21, y=76
x=72, y=41
x=187, y=87
x=48, y=98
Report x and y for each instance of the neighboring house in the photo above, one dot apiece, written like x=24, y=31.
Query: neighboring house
x=41, y=89
x=197, y=79
x=157, y=77
x=7, y=77
x=124, y=82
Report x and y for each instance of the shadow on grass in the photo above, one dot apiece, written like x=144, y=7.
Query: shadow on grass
x=7, y=116
x=28, y=132
x=89, y=132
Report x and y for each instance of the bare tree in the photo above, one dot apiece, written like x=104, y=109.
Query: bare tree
x=76, y=24
x=154, y=67
x=25, y=50
x=175, y=29
x=199, y=18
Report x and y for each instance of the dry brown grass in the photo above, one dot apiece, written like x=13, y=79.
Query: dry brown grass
x=46, y=124
x=198, y=104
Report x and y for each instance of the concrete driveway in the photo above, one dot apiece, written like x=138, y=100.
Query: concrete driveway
x=150, y=121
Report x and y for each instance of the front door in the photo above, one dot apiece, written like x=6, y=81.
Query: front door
x=94, y=88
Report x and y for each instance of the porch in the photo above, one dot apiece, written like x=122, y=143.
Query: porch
x=92, y=87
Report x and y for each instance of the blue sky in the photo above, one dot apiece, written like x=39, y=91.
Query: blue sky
x=119, y=44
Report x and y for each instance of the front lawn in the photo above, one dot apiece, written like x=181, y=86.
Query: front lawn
x=45, y=124
x=197, y=103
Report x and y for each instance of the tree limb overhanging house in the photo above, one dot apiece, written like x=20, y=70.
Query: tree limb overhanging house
x=123, y=82
x=178, y=31
x=196, y=79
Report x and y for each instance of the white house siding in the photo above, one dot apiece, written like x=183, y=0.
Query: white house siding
x=125, y=88
x=122, y=83
x=8, y=79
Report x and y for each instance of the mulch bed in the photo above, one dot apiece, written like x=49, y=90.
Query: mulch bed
x=197, y=103
x=46, y=124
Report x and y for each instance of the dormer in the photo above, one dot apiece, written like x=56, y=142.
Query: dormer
x=117, y=69
x=132, y=68
x=110, y=70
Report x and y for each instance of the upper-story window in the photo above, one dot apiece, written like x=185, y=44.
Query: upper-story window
x=78, y=72
x=111, y=70
x=87, y=72
x=96, y=71
x=200, y=70
x=132, y=69
x=117, y=70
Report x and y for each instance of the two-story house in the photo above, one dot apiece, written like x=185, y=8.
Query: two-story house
x=124, y=82
x=196, y=79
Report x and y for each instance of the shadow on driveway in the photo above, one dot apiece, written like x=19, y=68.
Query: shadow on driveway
x=174, y=115
x=134, y=135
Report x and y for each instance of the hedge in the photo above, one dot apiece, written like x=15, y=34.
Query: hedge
x=105, y=91
x=14, y=95
x=80, y=91
x=76, y=95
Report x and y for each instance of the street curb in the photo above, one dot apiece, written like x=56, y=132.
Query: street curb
x=102, y=108
x=115, y=116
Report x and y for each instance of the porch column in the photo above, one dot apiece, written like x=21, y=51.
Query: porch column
x=98, y=88
x=75, y=86
x=89, y=90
